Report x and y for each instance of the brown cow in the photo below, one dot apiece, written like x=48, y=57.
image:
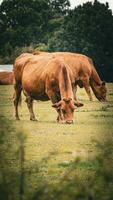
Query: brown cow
x=84, y=72
x=6, y=78
x=43, y=79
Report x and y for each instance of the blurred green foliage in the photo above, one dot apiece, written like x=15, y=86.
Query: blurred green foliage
x=94, y=182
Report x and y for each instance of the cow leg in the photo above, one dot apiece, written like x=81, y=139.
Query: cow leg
x=54, y=100
x=74, y=92
x=60, y=117
x=75, y=98
x=29, y=102
x=16, y=98
x=87, y=87
x=53, y=97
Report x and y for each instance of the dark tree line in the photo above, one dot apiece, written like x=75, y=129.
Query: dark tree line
x=51, y=25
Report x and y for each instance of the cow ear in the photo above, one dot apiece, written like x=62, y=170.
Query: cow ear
x=56, y=105
x=103, y=83
x=78, y=104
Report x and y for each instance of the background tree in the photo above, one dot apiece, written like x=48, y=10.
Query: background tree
x=88, y=29
x=27, y=22
x=23, y=22
x=51, y=25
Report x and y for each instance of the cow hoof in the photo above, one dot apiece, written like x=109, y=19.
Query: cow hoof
x=17, y=119
x=69, y=122
x=33, y=119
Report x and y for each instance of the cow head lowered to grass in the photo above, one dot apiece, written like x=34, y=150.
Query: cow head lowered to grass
x=99, y=90
x=44, y=78
x=65, y=108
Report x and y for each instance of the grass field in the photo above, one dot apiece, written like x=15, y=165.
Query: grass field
x=51, y=148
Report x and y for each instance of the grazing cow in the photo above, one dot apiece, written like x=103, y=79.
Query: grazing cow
x=43, y=79
x=6, y=78
x=84, y=72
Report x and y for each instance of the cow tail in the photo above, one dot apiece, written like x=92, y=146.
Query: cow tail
x=16, y=86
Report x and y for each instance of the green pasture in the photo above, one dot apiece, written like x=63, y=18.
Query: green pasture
x=44, y=156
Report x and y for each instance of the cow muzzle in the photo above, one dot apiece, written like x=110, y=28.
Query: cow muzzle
x=69, y=122
x=103, y=100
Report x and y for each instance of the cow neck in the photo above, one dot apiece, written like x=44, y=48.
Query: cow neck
x=95, y=77
x=65, y=84
x=95, y=81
